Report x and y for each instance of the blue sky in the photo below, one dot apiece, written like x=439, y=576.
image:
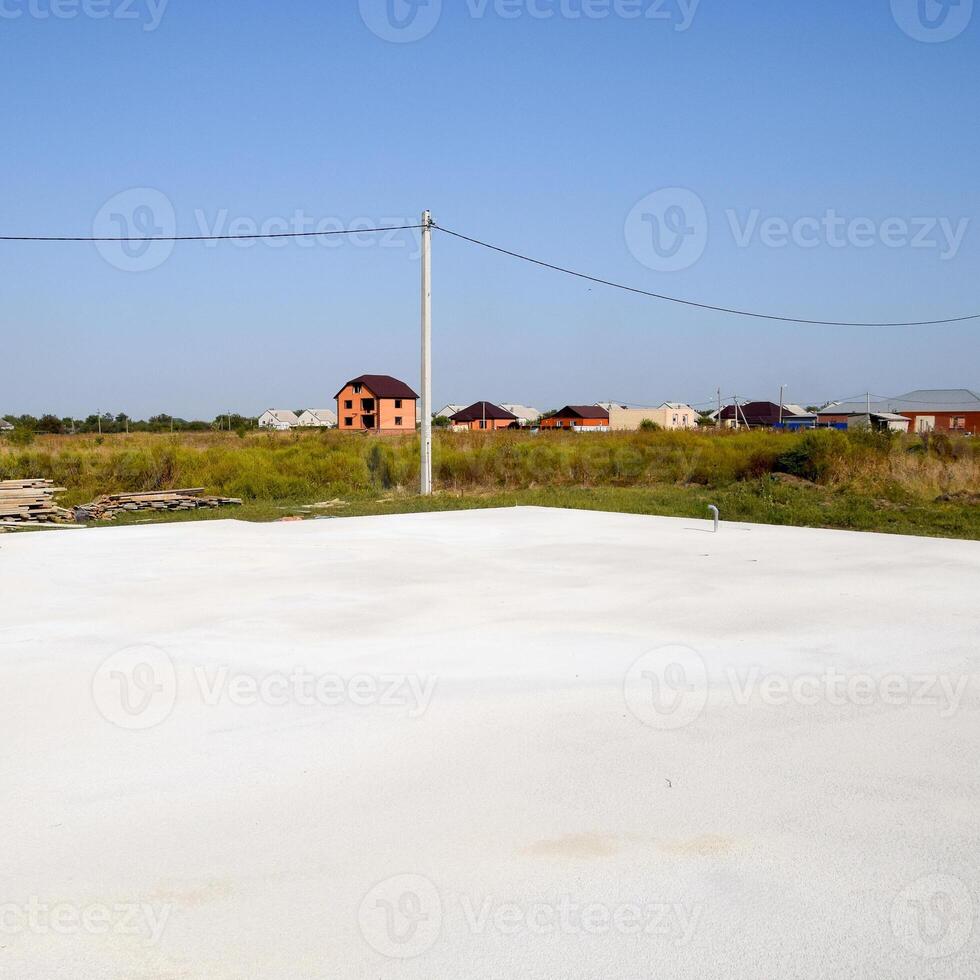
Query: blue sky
x=833, y=148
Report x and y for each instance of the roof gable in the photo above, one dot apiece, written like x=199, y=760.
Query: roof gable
x=381, y=386
x=483, y=410
x=584, y=412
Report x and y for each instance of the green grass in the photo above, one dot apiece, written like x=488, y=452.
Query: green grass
x=825, y=479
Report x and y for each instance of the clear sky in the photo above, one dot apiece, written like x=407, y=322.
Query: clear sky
x=815, y=159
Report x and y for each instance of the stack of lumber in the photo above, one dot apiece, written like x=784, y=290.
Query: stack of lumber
x=30, y=503
x=108, y=507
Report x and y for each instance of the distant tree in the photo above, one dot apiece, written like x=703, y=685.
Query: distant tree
x=50, y=425
x=441, y=422
x=648, y=425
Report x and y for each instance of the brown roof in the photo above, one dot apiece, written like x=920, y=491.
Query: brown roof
x=381, y=386
x=483, y=410
x=584, y=412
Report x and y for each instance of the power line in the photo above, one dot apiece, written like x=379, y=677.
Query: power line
x=210, y=238
x=700, y=306
x=494, y=248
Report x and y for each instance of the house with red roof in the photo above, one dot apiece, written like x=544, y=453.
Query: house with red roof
x=484, y=417
x=579, y=418
x=376, y=403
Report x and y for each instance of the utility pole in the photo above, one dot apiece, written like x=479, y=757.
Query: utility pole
x=100, y=421
x=718, y=422
x=782, y=388
x=425, y=485
x=735, y=400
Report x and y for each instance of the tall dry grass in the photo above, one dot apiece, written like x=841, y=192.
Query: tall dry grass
x=314, y=464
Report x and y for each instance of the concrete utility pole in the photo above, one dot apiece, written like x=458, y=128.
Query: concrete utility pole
x=426, y=478
x=782, y=388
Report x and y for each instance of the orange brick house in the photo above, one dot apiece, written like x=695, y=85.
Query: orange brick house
x=580, y=418
x=376, y=403
x=484, y=416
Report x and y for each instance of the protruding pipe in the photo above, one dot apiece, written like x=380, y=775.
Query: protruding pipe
x=717, y=514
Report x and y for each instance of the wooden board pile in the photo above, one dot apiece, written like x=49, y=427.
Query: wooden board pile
x=30, y=503
x=108, y=507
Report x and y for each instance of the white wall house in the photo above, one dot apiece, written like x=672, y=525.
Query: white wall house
x=318, y=418
x=278, y=418
x=448, y=411
x=669, y=415
x=526, y=415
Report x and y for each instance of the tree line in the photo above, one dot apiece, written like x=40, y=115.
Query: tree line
x=107, y=423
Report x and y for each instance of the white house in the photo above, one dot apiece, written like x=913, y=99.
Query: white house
x=318, y=418
x=669, y=415
x=448, y=411
x=5, y=426
x=525, y=414
x=278, y=418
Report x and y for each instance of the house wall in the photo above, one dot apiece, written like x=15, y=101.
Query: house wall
x=385, y=412
x=569, y=421
x=492, y=425
x=630, y=419
x=943, y=420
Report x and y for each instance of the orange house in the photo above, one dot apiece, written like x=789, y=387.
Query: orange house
x=376, y=403
x=484, y=417
x=590, y=418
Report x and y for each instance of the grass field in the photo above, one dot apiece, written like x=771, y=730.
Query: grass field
x=861, y=481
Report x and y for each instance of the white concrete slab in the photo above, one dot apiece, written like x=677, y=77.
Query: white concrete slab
x=472, y=756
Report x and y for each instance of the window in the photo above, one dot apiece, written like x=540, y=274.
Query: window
x=348, y=422
x=957, y=422
x=348, y=404
x=398, y=403
x=398, y=420
x=357, y=389
x=483, y=423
